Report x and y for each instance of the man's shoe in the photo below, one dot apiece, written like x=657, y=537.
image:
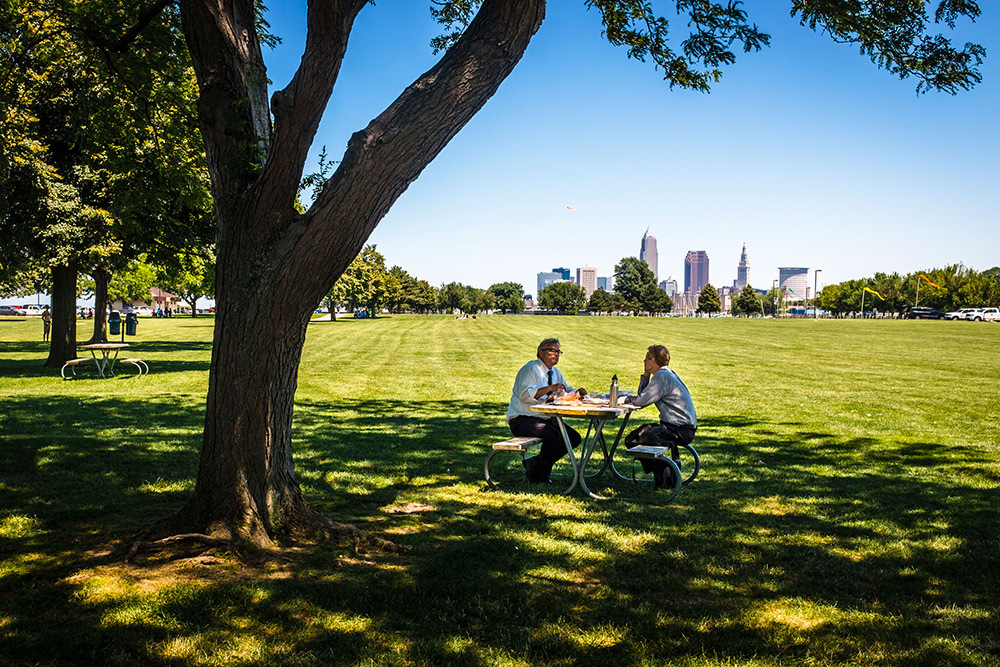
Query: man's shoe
x=531, y=470
x=663, y=479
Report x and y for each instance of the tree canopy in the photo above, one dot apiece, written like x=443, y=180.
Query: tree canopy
x=564, y=297
x=748, y=303
x=508, y=296
x=99, y=150
x=708, y=300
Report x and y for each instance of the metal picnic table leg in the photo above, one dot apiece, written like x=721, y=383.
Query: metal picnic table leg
x=586, y=449
x=611, y=452
x=99, y=362
x=587, y=452
x=569, y=450
x=111, y=368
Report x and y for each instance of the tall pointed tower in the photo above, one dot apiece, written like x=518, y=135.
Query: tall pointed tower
x=743, y=270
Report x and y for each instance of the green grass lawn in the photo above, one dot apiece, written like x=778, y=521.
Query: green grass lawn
x=846, y=512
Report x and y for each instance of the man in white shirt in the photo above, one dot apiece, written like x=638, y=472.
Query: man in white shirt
x=536, y=381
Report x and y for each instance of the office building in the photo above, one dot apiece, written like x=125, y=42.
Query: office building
x=586, y=277
x=669, y=286
x=695, y=271
x=742, y=271
x=795, y=280
x=647, y=253
x=564, y=273
x=602, y=283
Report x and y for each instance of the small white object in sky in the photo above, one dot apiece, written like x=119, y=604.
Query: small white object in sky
x=571, y=208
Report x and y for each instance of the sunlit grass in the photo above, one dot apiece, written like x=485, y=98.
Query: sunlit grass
x=845, y=513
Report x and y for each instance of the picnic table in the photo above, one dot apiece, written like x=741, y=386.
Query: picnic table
x=106, y=363
x=597, y=415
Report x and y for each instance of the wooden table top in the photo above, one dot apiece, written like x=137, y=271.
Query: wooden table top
x=582, y=410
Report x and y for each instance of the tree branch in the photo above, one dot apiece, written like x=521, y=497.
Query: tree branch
x=382, y=160
x=233, y=111
x=298, y=108
x=146, y=17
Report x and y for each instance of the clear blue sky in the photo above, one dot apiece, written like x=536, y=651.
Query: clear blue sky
x=805, y=151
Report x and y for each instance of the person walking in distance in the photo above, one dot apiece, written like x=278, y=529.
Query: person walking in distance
x=46, y=323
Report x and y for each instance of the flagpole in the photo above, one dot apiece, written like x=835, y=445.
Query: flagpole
x=917, y=302
x=862, y=303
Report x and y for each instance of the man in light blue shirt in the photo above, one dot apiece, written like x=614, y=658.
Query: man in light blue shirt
x=678, y=421
x=536, y=381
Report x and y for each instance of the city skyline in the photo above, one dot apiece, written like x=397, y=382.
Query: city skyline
x=829, y=162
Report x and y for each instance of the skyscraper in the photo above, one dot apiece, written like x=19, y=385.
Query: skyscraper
x=586, y=277
x=563, y=272
x=647, y=253
x=695, y=271
x=669, y=286
x=743, y=270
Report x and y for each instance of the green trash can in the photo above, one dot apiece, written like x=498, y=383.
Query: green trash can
x=131, y=320
x=114, y=323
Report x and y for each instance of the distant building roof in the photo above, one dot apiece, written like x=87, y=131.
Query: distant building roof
x=159, y=294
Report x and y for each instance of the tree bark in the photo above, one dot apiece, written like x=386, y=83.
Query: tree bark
x=62, y=344
x=273, y=264
x=102, y=278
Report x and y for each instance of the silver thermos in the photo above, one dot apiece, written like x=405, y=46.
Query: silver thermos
x=613, y=393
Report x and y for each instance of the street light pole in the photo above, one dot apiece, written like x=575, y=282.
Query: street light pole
x=815, y=283
x=774, y=288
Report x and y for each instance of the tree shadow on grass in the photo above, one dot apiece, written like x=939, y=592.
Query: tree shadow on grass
x=791, y=547
x=34, y=355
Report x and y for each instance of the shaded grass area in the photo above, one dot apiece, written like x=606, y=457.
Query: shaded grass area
x=845, y=513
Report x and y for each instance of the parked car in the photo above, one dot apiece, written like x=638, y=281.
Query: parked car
x=32, y=309
x=922, y=313
x=977, y=314
x=983, y=314
x=958, y=314
x=143, y=310
x=11, y=310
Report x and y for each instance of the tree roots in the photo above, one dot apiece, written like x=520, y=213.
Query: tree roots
x=314, y=526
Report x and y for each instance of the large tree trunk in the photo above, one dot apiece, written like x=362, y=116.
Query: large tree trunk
x=102, y=278
x=246, y=487
x=274, y=264
x=62, y=345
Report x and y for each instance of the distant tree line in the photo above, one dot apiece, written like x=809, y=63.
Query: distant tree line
x=945, y=289
x=367, y=286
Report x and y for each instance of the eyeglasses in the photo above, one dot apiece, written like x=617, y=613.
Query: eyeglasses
x=551, y=349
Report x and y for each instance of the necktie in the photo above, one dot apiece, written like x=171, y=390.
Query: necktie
x=550, y=376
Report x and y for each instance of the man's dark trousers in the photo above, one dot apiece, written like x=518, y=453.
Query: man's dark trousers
x=553, y=446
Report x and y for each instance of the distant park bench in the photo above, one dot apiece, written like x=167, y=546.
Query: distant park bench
x=72, y=364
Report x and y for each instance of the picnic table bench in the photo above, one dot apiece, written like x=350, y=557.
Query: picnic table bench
x=72, y=364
